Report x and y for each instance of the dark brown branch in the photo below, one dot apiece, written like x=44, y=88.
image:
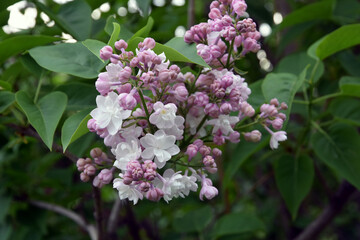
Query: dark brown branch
x=336, y=204
x=69, y=214
x=114, y=216
x=191, y=13
x=99, y=213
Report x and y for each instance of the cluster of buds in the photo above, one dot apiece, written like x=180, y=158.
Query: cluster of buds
x=227, y=26
x=161, y=124
x=86, y=167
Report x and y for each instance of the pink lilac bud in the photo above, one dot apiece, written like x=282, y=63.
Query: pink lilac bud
x=102, y=84
x=150, y=174
x=81, y=162
x=144, y=186
x=216, y=152
x=140, y=113
x=234, y=137
x=239, y=7
x=214, y=4
x=269, y=110
x=204, y=52
x=212, y=109
x=95, y=152
x=154, y=194
x=106, y=53
x=148, y=164
x=205, y=80
x=250, y=45
x=134, y=62
x=204, y=150
x=201, y=99
x=174, y=68
x=274, y=102
x=127, y=178
x=219, y=140
x=181, y=93
x=189, y=36
x=137, y=173
x=215, y=13
x=277, y=123
x=103, y=178
x=226, y=81
x=121, y=44
x=282, y=116
x=127, y=101
x=247, y=109
x=125, y=88
x=114, y=59
x=84, y=177
x=238, y=41
x=253, y=136
x=198, y=143
x=191, y=151
x=89, y=169
x=225, y=108
x=229, y=33
x=149, y=43
x=125, y=74
x=91, y=125
x=208, y=161
x=189, y=77
x=207, y=189
x=284, y=106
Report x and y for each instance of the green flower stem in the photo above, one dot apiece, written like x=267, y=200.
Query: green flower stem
x=323, y=98
x=146, y=110
x=38, y=87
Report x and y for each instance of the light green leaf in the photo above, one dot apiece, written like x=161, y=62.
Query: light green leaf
x=144, y=31
x=350, y=86
x=194, y=221
x=71, y=58
x=340, y=39
x=238, y=223
x=294, y=178
x=74, y=127
x=45, y=115
x=338, y=147
x=125, y=34
x=315, y=11
x=256, y=99
x=115, y=35
x=5, y=86
x=94, y=46
x=346, y=109
x=18, y=44
x=6, y=99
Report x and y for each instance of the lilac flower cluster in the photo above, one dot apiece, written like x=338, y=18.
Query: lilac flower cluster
x=154, y=117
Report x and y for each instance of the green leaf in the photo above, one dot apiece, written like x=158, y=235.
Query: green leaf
x=144, y=31
x=350, y=62
x=350, y=86
x=5, y=86
x=45, y=115
x=80, y=95
x=125, y=34
x=144, y=6
x=175, y=50
x=6, y=99
x=194, y=221
x=296, y=63
x=346, y=109
x=74, y=127
x=340, y=39
x=283, y=86
x=5, y=202
x=238, y=223
x=338, y=147
x=294, y=178
x=94, y=46
x=30, y=64
x=315, y=11
x=242, y=152
x=115, y=35
x=18, y=44
x=77, y=16
x=71, y=58
x=256, y=99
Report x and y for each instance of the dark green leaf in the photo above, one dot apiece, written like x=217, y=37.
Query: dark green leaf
x=340, y=39
x=350, y=62
x=315, y=11
x=45, y=115
x=74, y=127
x=194, y=221
x=350, y=86
x=339, y=147
x=125, y=34
x=6, y=99
x=18, y=44
x=30, y=64
x=5, y=202
x=256, y=99
x=346, y=109
x=237, y=223
x=70, y=58
x=5, y=86
x=144, y=6
x=94, y=46
x=80, y=95
x=294, y=177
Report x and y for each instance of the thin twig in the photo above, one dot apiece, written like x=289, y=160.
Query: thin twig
x=69, y=214
x=98, y=213
x=313, y=230
x=191, y=13
x=114, y=216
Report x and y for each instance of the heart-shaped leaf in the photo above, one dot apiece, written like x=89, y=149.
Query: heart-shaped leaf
x=45, y=115
x=6, y=99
